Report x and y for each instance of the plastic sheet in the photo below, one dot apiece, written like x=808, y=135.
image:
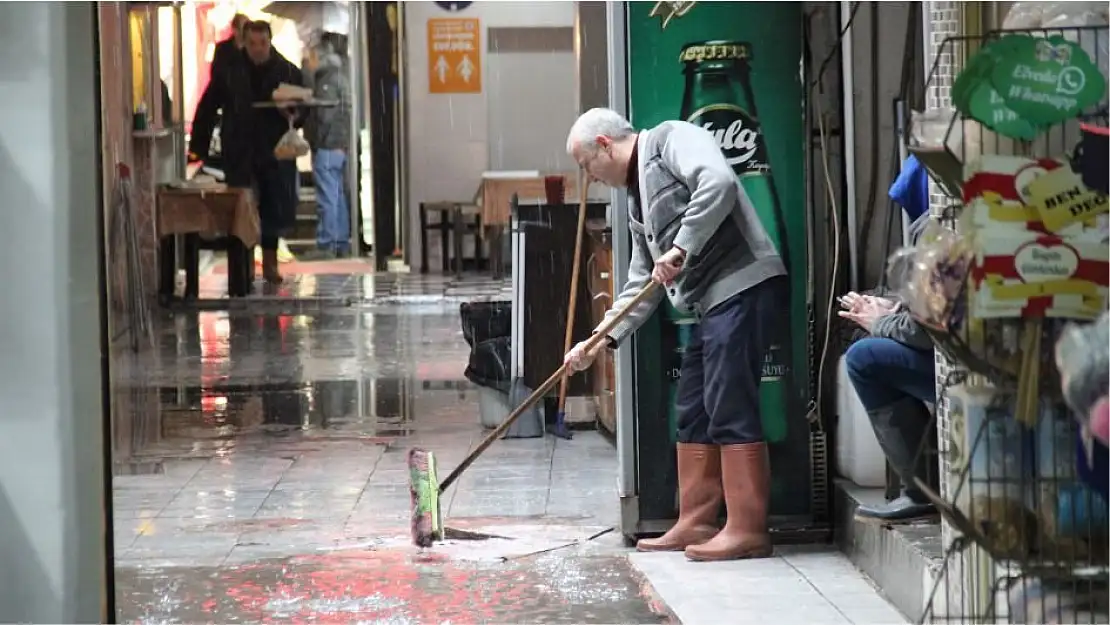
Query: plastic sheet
x=1057, y=15
x=1083, y=359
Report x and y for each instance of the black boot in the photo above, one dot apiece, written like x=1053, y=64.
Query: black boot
x=900, y=429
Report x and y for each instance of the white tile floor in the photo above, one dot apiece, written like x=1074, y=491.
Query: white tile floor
x=803, y=586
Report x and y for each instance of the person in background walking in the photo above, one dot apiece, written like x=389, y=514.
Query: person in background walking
x=249, y=135
x=328, y=131
x=226, y=52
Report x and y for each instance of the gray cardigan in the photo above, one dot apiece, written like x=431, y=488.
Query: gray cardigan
x=694, y=201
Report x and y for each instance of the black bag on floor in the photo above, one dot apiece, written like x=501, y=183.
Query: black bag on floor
x=489, y=364
x=482, y=321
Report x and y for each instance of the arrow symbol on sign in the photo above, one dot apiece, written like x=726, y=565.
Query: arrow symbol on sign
x=466, y=68
x=441, y=68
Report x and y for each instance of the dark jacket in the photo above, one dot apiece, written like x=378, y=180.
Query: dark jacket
x=207, y=114
x=247, y=134
x=330, y=128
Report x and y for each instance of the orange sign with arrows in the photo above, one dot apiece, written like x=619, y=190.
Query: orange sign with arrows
x=454, y=55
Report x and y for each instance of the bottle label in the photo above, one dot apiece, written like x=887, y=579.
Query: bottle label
x=738, y=136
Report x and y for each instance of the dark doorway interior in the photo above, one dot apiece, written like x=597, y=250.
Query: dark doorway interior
x=381, y=29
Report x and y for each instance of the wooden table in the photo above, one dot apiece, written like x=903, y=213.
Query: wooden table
x=210, y=212
x=495, y=194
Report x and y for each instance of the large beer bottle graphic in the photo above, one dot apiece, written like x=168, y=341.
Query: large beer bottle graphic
x=719, y=98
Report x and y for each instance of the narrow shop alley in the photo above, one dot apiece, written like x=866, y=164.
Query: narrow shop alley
x=261, y=478
x=864, y=383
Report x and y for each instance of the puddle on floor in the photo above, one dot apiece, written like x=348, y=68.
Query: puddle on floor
x=389, y=586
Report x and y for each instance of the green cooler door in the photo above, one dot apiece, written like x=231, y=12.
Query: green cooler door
x=732, y=68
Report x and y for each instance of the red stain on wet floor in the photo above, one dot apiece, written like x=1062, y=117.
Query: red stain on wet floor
x=335, y=588
x=346, y=266
x=394, y=586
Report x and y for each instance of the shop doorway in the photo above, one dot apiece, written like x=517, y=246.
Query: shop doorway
x=170, y=49
x=155, y=61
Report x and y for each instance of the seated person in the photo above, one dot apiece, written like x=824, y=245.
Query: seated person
x=892, y=371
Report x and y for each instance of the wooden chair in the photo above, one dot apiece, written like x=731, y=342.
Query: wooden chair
x=456, y=220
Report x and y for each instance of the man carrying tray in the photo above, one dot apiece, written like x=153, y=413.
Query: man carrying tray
x=695, y=232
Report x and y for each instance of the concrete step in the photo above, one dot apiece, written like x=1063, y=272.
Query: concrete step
x=903, y=560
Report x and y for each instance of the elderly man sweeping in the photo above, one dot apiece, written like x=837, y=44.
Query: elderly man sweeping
x=695, y=231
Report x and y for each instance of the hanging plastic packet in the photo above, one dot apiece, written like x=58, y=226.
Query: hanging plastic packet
x=1083, y=359
x=291, y=146
x=1078, y=22
x=931, y=277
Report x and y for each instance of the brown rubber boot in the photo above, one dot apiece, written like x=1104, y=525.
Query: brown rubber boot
x=746, y=475
x=699, y=499
x=270, y=266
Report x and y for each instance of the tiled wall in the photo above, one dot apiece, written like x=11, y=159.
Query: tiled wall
x=449, y=138
x=943, y=21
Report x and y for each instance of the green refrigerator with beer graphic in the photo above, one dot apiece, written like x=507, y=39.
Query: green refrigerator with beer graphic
x=733, y=69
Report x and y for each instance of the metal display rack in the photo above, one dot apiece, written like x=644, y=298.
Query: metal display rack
x=1011, y=554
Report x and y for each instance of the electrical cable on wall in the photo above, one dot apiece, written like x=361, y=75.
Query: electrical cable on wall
x=834, y=210
x=818, y=81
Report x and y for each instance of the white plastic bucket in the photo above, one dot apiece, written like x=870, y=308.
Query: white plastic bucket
x=858, y=455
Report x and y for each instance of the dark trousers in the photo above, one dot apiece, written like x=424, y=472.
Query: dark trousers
x=718, y=388
x=275, y=193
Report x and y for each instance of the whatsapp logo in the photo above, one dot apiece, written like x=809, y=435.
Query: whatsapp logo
x=1045, y=80
x=1071, y=81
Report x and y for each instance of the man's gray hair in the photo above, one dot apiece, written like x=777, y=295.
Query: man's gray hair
x=597, y=122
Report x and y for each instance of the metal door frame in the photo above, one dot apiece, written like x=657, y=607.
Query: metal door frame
x=616, y=22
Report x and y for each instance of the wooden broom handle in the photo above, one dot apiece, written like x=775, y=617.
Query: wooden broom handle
x=568, y=336
x=602, y=334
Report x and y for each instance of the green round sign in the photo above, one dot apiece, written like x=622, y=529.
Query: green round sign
x=989, y=108
x=1046, y=80
x=977, y=71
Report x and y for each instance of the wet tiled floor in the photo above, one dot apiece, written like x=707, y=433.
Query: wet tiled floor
x=354, y=280
x=261, y=477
